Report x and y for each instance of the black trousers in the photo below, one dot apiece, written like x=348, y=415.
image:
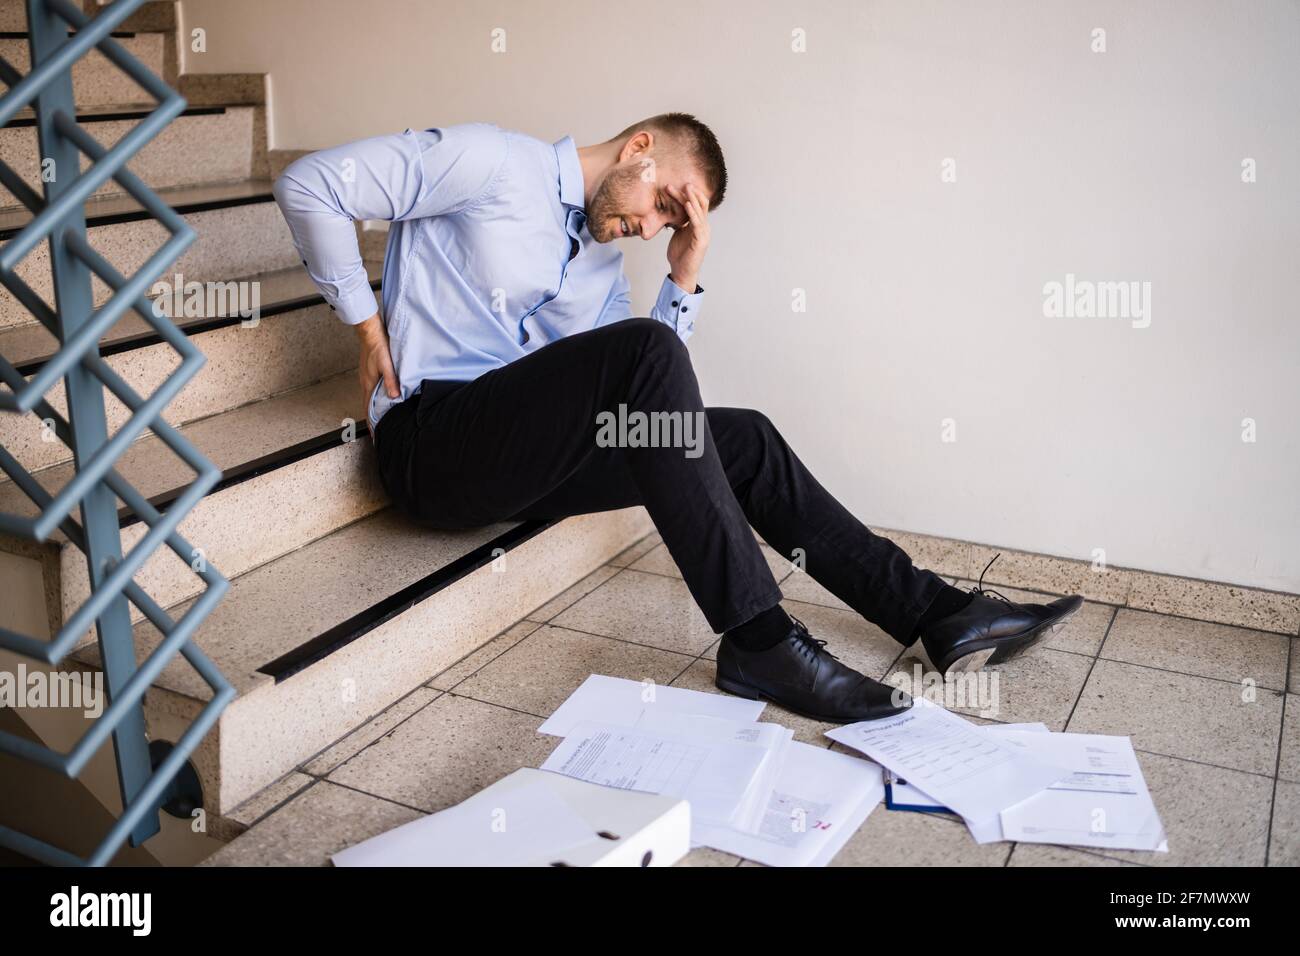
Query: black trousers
x=523, y=442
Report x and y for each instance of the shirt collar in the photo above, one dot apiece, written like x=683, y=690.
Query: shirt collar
x=571, y=182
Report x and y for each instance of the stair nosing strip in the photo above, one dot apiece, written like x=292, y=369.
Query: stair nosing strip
x=399, y=602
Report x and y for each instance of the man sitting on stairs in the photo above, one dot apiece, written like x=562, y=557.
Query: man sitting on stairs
x=507, y=335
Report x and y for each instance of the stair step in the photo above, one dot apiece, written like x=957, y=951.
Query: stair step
x=223, y=89
x=96, y=80
x=203, y=145
x=29, y=347
x=292, y=471
x=155, y=16
x=317, y=641
x=297, y=341
x=240, y=232
x=121, y=208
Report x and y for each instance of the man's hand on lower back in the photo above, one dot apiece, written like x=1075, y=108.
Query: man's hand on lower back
x=375, y=361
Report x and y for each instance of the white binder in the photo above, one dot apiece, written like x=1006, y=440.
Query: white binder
x=625, y=828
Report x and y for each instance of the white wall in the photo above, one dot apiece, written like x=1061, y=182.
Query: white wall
x=924, y=298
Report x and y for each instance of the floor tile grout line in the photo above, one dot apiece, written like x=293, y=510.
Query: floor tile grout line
x=580, y=597
x=398, y=803
x=537, y=626
x=1277, y=770
x=624, y=640
x=583, y=597
x=437, y=693
x=1167, y=670
x=373, y=717
x=311, y=782
x=1201, y=763
x=441, y=694
x=648, y=534
x=491, y=703
x=1088, y=676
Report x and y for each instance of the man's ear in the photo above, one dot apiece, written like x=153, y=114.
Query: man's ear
x=640, y=142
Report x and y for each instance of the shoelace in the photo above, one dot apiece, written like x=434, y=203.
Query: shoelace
x=807, y=643
x=982, y=591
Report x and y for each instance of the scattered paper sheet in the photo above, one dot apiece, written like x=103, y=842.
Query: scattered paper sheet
x=614, y=700
x=819, y=801
x=901, y=795
x=511, y=829
x=771, y=737
x=950, y=760
x=1104, y=803
x=714, y=775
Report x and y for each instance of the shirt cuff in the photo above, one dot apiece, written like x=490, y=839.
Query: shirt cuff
x=356, y=306
x=678, y=307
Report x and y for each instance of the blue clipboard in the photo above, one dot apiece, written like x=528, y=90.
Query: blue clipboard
x=892, y=804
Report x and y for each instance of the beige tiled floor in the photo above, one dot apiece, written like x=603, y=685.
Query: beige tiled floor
x=1207, y=706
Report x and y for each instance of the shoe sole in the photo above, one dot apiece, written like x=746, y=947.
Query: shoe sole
x=999, y=650
x=751, y=693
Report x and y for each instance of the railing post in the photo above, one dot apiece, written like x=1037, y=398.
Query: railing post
x=85, y=395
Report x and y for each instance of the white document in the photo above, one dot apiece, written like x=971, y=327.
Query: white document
x=950, y=760
x=819, y=801
x=512, y=829
x=772, y=738
x=1104, y=803
x=713, y=775
x=902, y=792
x=614, y=700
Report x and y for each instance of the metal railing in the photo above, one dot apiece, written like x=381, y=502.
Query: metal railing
x=60, y=35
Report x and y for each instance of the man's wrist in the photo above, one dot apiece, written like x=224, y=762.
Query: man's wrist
x=687, y=284
x=371, y=330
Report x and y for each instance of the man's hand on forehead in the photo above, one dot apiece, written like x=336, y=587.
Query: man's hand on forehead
x=682, y=197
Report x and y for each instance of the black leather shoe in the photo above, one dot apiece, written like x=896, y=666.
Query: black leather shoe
x=800, y=675
x=992, y=629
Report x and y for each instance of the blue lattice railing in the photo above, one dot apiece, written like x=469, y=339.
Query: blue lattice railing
x=60, y=35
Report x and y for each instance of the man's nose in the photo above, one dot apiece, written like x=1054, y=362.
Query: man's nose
x=650, y=227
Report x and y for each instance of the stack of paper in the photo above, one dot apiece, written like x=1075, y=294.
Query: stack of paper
x=1013, y=782
x=753, y=791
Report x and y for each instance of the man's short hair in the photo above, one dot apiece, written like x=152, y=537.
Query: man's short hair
x=697, y=142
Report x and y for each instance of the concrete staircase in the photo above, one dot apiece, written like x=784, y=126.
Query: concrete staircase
x=337, y=607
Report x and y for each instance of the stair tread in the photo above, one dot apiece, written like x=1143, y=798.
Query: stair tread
x=108, y=208
x=25, y=345
x=229, y=440
x=278, y=607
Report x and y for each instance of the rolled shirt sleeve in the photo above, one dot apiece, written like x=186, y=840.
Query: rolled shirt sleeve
x=411, y=175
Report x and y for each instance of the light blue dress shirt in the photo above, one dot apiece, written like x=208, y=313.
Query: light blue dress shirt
x=488, y=255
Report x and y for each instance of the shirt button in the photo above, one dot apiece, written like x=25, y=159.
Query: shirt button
x=685, y=308
x=674, y=305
